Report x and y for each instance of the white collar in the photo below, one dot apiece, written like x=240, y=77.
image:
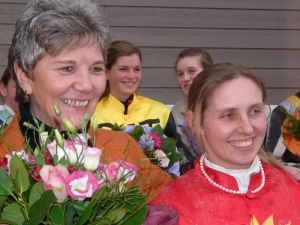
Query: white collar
x=242, y=176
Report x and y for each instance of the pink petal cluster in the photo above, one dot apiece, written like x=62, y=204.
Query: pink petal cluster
x=81, y=185
x=162, y=158
x=53, y=178
x=76, y=153
x=114, y=171
x=91, y=158
x=157, y=140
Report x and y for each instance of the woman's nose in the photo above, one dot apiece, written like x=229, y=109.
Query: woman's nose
x=84, y=82
x=245, y=125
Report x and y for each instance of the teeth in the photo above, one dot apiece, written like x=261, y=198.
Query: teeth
x=241, y=144
x=73, y=102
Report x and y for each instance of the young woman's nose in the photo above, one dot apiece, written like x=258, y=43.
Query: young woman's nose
x=245, y=125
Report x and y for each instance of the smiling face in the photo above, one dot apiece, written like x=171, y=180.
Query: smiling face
x=234, y=124
x=187, y=69
x=73, y=81
x=125, y=76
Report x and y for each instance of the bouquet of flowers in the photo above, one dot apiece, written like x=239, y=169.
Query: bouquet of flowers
x=63, y=181
x=291, y=132
x=160, y=149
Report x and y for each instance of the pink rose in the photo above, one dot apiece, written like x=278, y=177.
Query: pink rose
x=81, y=185
x=91, y=158
x=114, y=171
x=53, y=178
x=72, y=152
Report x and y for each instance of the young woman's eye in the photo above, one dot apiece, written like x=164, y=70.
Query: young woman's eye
x=179, y=74
x=138, y=69
x=123, y=69
x=228, y=116
x=254, y=112
x=192, y=71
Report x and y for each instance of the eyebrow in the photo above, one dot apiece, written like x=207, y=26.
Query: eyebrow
x=74, y=62
x=251, y=106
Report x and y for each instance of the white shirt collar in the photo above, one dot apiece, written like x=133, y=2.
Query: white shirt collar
x=242, y=176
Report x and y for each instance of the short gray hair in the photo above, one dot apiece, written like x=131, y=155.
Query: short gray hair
x=48, y=26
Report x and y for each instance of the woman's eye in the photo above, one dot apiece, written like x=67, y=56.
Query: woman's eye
x=67, y=68
x=255, y=112
x=179, y=74
x=97, y=69
x=228, y=116
x=137, y=69
x=192, y=71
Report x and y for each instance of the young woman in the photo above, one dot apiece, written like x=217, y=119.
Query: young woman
x=234, y=182
x=189, y=63
x=122, y=105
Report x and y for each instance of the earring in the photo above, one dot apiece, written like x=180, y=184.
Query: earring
x=27, y=92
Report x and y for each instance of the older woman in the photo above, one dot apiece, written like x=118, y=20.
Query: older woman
x=234, y=182
x=57, y=57
x=122, y=105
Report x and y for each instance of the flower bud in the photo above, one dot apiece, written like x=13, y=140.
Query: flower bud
x=28, y=125
x=59, y=139
x=56, y=111
x=69, y=126
x=91, y=158
x=94, y=125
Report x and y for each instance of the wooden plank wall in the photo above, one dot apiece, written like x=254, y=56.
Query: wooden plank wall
x=261, y=35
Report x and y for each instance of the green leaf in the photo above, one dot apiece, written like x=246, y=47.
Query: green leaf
x=136, y=203
x=158, y=130
x=39, y=209
x=69, y=213
x=57, y=215
x=18, y=175
x=86, y=215
x=36, y=193
x=116, y=215
x=5, y=185
x=12, y=214
x=2, y=201
x=137, y=132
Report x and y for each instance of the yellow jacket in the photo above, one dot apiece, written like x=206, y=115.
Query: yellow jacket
x=142, y=110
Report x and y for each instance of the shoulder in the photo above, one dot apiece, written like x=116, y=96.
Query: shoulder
x=151, y=102
x=12, y=137
x=180, y=106
x=181, y=187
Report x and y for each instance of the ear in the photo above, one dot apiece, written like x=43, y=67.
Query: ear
x=3, y=90
x=189, y=116
x=24, y=80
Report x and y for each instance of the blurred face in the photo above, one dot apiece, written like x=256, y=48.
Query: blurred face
x=234, y=124
x=9, y=93
x=125, y=76
x=73, y=81
x=187, y=69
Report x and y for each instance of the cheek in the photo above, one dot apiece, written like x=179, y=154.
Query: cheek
x=261, y=126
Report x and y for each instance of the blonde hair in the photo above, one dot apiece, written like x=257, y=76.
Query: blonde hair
x=207, y=82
